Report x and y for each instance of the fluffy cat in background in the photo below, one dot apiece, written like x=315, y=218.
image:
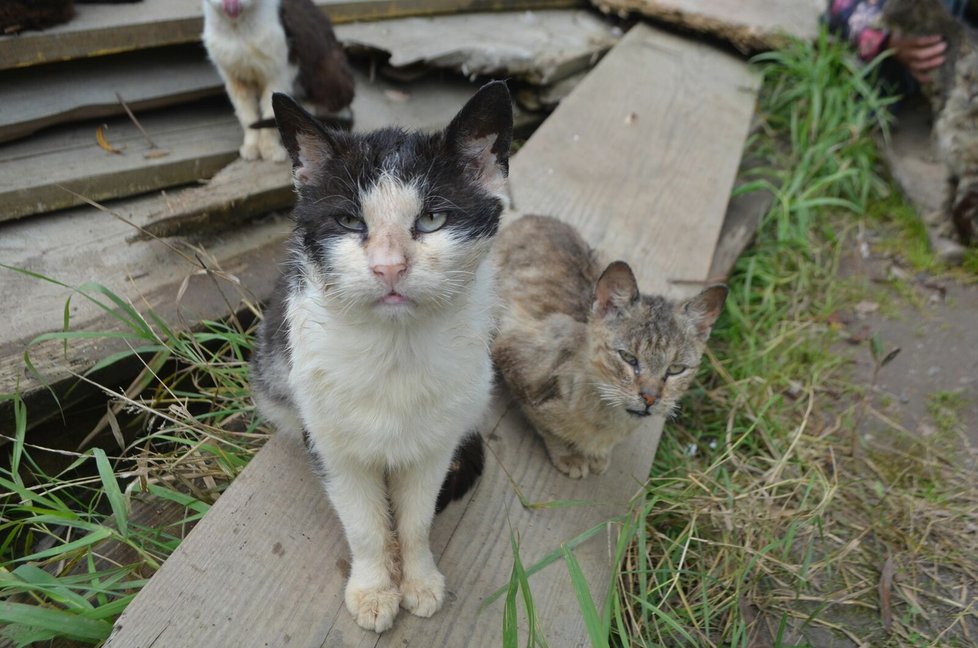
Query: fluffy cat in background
x=586, y=355
x=265, y=46
x=953, y=94
x=376, y=344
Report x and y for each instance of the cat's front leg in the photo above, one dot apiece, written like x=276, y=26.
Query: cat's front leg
x=414, y=490
x=359, y=497
x=566, y=458
x=244, y=98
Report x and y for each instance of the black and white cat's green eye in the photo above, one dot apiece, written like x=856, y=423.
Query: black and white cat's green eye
x=676, y=369
x=628, y=358
x=430, y=222
x=351, y=222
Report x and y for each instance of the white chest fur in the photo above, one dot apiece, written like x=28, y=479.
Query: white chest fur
x=250, y=49
x=391, y=392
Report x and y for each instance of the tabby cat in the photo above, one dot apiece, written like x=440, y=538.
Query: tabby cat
x=587, y=357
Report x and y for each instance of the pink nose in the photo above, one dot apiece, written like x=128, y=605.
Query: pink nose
x=390, y=273
x=648, y=398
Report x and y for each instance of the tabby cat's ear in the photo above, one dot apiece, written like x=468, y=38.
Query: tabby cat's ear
x=615, y=290
x=481, y=135
x=705, y=308
x=308, y=143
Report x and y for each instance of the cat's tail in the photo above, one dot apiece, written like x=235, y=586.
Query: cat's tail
x=463, y=472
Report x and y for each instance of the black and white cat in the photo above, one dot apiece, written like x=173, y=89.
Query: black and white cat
x=376, y=345
x=265, y=46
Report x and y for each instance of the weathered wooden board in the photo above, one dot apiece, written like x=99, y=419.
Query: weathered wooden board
x=83, y=244
x=541, y=47
x=266, y=565
x=192, y=142
x=98, y=30
x=34, y=98
x=749, y=25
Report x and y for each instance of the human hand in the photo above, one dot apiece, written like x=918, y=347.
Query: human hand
x=919, y=54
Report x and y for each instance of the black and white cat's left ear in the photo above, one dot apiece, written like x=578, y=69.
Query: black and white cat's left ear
x=482, y=133
x=615, y=290
x=308, y=143
x=705, y=308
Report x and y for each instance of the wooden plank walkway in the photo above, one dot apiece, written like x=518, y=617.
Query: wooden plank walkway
x=648, y=180
x=98, y=30
x=749, y=25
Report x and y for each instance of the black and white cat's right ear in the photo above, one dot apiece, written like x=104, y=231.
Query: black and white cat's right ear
x=615, y=290
x=481, y=134
x=308, y=143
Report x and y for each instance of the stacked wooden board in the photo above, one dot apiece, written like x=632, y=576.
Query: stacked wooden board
x=266, y=565
x=749, y=26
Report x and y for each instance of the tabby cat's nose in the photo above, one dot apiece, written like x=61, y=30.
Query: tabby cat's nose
x=648, y=397
x=390, y=274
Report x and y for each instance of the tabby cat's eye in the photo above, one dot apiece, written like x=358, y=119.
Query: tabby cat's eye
x=675, y=369
x=430, y=222
x=351, y=222
x=629, y=358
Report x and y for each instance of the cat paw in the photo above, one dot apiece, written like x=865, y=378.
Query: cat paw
x=271, y=147
x=373, y=608
x=598, y=465
x=249, y=151
x=574, y=466
x=423, y=597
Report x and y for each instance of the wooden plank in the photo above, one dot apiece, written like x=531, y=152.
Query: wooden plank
x=193, y=142
x=266, y=565
x=98, y=30
x=911, y=157
x=541, y=47
x=749, y=25
x=35, y=98
x=99, y=248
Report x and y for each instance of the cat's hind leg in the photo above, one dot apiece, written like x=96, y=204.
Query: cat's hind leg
x=269, y=142
x=244, y=97
x=359, y=496
x=414, y=489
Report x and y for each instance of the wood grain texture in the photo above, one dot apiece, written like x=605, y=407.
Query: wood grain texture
x=83, y=244
x=266, y=565
x=646, y=170
x=35, y=98
x=98, y=30
x=192, y=143
x=749, y=25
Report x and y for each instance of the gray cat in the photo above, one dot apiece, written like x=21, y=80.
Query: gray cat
x=585, y=354
x=952, y=91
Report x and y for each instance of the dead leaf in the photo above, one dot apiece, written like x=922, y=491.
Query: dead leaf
x=397, y=95
x=104, y=143
x=154, y=154
x=886, y=586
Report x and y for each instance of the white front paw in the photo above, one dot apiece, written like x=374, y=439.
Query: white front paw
x=423, y=596
x=573, y=465
x=249, y=150
x=373, y=608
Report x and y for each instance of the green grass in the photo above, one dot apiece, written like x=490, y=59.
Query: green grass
x=762, y=521
x=73, y=555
